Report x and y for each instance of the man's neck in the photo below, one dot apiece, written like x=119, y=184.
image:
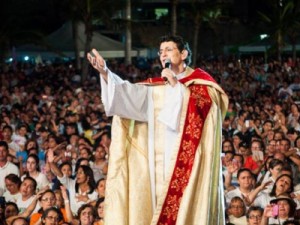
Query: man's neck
x=178, y=70
x=25, y=198
x=8, y=140
x=3, y=163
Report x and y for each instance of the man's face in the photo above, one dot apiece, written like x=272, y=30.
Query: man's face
x=284, y=146
x=27, y=188
x=169, y=50
x=6, y=134
x=271, y=147
x=237, y=208
x=254, y=217
x=3, y=154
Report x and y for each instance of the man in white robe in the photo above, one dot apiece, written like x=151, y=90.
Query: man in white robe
x=164, y=164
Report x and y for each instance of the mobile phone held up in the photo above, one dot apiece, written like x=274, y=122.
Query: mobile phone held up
x=275, y=210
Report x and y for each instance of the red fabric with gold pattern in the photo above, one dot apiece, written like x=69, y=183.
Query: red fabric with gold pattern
x=198, y=108
x=198, y=74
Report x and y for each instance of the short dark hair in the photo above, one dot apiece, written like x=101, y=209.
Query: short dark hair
x=4, y=144
x=254, y=208
x=181, y=45
x=32, y=180
x=19, y=218
x=14, y=178
x=90, y=174
x=7, y=127
x=273, y=191
x=244, y=170
x=46, y=212
x=83, y=207
x=99, y=201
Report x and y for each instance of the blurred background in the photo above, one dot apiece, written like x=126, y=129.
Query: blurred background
x=35, y=30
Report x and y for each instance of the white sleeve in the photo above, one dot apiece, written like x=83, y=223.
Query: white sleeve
x=170, y=113
x=44, y=180
x=66, y=181
x=123, y=98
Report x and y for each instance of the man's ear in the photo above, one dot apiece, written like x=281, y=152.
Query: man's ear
x=184, y=54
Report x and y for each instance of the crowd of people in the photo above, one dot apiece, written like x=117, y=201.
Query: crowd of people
x=55, y=140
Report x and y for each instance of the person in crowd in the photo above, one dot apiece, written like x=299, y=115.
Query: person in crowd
x=237, y=138
x=226, y=160
x=249, y=161
x=86, y=215
x=20, y=136
x=33, y=171
x=254, y=215
x=230, y=174
x=291, y=222
x=7, y=132
x=275, y=168
x=100, y=163
x=101, y=187
x=280, y=209
x=82, y=188
x=140, y=103
x=12, y=184
x=51, y=216
x=246, y=186
x=99, y=220
x=267, y=128
x=6, y=167
x=283, y=185
x=66, y=169
x=11, y=209
x=20, y=221
x=237, y=211
x=293, y=117
x=227, y=146
x=27, y=190
x=47, y=200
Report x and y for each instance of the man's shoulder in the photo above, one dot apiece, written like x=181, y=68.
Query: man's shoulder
x=233, y=193
x=198, y=74
x=11, y=166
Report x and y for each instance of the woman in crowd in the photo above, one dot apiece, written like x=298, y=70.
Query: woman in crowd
x=293, y=117
x=254, y=215
x=245, y=179
x=100, y=187
x=227, y=146
x=51, y=216
x=283, y=185
x=19, y=221
x=86, y=215
x=100, y=212
x=11, y=209
x=48, y=200
x=82, y=189
x=237, y=211
x=100, y=164
x=275, y=167
x=279, y=210
x=12, y=184
x=66, y=169
x=33, y=170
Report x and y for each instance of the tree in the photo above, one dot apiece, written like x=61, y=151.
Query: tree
x=128, y=33
x=20, y=22
x=281, y=19
x=202, y=12
x=174, y=4
x=89, y=12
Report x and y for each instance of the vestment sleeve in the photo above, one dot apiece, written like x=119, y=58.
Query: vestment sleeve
x=123, y=98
